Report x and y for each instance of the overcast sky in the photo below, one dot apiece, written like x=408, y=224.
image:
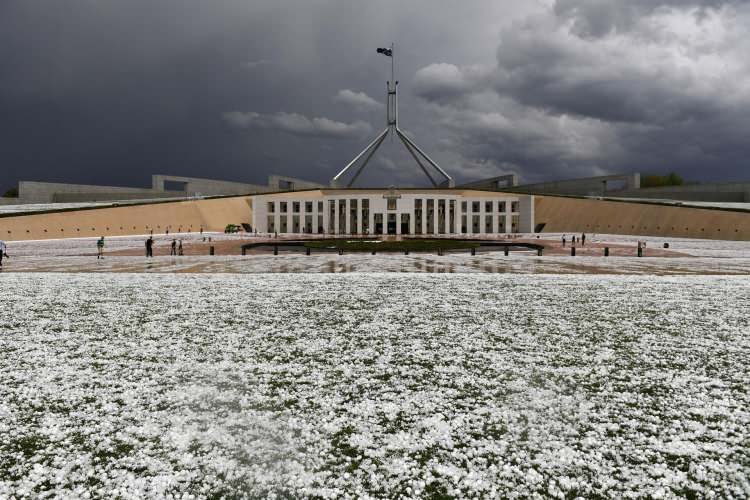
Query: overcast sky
x=105, y=91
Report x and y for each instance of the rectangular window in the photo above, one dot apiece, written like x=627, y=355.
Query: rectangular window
x=308, y=223
x=295, y=207
x=331, y=216
x=488, y=206
x=392, y=203
x=488, y=223
x=501, y=207
x=463, y=224
x=441, y=216
x=365, y=216
x=452, y=217
x=404, y=224
x=514, y=223
x=475, y=224
x=295, y=224
x=271, y=207
x=308, y=206
x=430, y=217
x=501, y=224
x=283, y=221
x=464, y=206
x=378, y=229
x=514, y=206
x=271, y=224
x=282, y=207
x=475, y=207
x=320, y=222
x=320, y=206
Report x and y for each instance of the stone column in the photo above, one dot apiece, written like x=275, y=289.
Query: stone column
x=526, y=216
x=481, y=217
x=424, y=217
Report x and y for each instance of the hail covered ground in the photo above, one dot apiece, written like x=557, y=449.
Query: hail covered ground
x=612, y=378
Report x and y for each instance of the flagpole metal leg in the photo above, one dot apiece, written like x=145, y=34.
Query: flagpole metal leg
x=367, y=159
x=335, y=180
x=416, y=158
x=447, y=177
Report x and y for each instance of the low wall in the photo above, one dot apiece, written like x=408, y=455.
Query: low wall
x=96, y=197
x=186, y=216
x=207, y=187
x=587, y=186
x=560, y=214
x=44, y=192
x=736, y=192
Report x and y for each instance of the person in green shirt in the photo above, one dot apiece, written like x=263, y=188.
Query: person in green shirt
x=100, y=248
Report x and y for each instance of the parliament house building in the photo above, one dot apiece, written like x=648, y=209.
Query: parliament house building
x=441, y=211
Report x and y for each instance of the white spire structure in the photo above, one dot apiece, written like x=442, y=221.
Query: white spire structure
x=424, y=161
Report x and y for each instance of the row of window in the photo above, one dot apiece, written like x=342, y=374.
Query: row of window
x=387, y=224
x=392, y=204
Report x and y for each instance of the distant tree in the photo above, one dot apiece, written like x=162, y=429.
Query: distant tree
x=674, y=179
x=11, y=193
x=655, y=180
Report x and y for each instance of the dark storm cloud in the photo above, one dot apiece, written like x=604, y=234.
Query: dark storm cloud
x=111, y=91
x=594, y=87
x=597, y=18
x=296, y=124
x=358, y=100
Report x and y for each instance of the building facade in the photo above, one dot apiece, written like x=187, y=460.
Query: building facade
x=393, y=211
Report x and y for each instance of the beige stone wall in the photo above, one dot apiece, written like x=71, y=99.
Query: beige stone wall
x=598, y=216
x=212, y=215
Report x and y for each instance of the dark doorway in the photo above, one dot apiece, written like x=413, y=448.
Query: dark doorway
x=404, y=223
x=391, y=223
x=378, y=223
x=175, y=185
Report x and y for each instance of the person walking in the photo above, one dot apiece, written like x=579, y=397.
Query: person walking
x=150, y=247
x=563, y=241
x=3, y=253
x=174, y=248
x=583, y=239
x=179, y=249
x=100, y=248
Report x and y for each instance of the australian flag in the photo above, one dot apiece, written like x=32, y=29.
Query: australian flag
x=385, y=52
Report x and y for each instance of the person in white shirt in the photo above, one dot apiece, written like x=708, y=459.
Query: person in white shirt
x=2, y=252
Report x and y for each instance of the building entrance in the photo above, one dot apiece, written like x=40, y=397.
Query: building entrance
x=391, y=223
x=405, y=223
x=378, y=223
